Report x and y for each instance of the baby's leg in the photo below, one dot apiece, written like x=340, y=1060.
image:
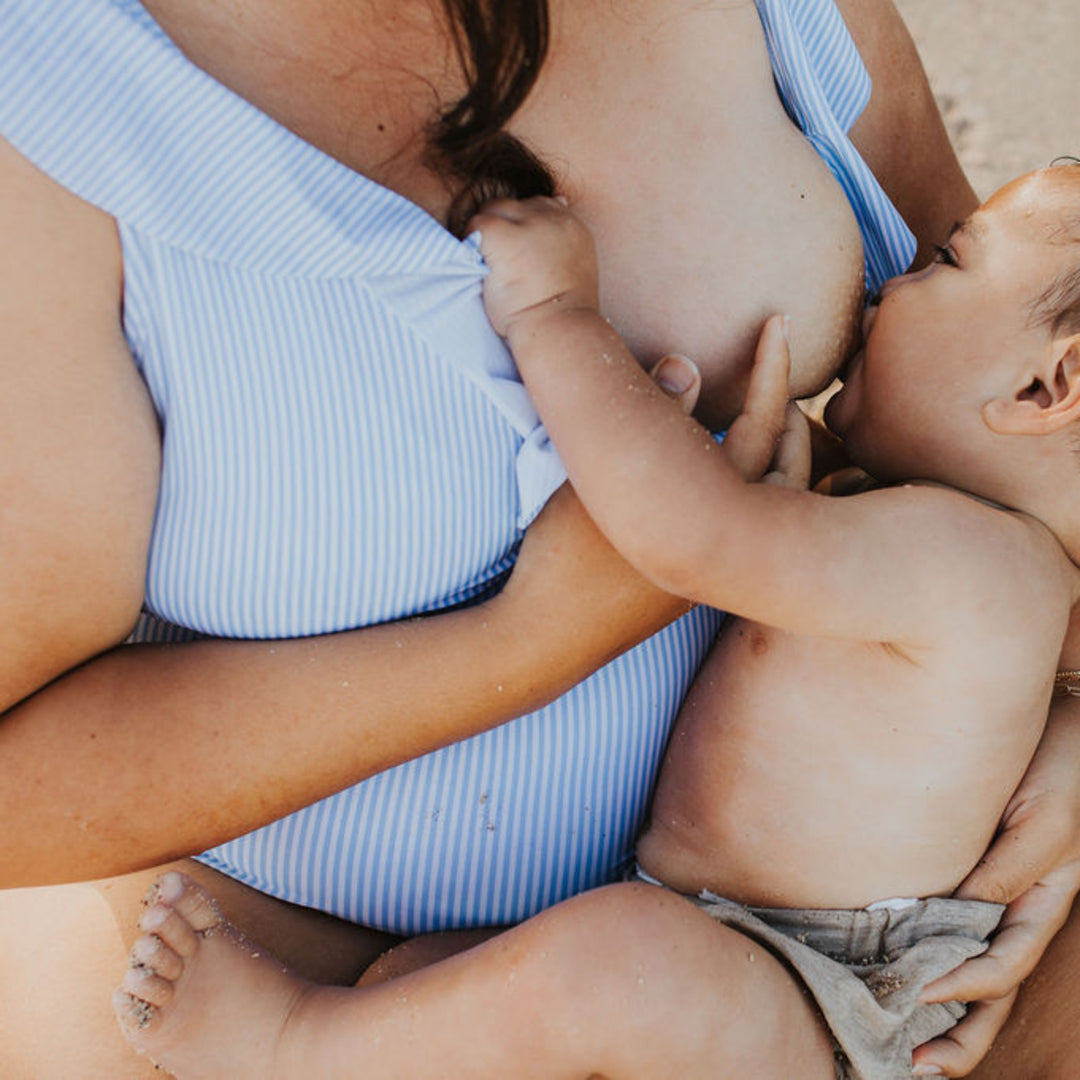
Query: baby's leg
x=624, y=982
x=415, y=953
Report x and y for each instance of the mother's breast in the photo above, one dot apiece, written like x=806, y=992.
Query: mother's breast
x=710, y=209
x=766, y=231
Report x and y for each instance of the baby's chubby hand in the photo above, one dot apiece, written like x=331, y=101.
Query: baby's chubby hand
x=542, y=260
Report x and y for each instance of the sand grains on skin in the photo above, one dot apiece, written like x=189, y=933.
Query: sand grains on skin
x=199, y=999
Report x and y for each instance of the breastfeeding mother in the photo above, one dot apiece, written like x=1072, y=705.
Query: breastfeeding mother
x=243, y=202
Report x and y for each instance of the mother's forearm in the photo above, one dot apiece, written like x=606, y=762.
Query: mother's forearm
x=157, y=751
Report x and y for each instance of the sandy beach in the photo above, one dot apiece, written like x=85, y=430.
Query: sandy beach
x=1006, y=78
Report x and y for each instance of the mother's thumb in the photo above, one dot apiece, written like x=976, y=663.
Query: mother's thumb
x=1018, y=858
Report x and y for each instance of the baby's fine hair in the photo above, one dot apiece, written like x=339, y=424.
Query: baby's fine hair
x=1058, y=306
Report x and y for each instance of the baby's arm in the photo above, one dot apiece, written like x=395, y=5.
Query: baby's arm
x=897, y=564
x=79, y=445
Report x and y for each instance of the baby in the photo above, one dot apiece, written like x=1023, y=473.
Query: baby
x=847, y=750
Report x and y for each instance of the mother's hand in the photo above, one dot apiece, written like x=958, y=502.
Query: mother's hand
x=1034, y=868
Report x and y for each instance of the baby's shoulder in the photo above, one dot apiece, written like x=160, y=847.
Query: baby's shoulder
x=1006, y=557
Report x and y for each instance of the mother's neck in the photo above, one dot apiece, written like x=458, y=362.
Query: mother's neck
x=359, y=79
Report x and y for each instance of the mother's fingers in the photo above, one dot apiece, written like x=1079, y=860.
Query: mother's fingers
x=962, y=1048
x=996, y=973
x=1026, y=929
x=1034, y=840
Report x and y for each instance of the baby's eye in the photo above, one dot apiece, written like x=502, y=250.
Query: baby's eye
x=944, y=255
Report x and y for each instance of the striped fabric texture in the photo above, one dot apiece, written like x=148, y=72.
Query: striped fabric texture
x=346, y=442
x=824, y=87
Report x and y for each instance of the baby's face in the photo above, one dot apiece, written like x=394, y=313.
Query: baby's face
x=944, y=338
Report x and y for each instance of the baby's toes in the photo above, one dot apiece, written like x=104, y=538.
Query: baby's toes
x=144, y=984
x=171, y=929
x=152, y=953
x=189, y=900
x=135, y=1015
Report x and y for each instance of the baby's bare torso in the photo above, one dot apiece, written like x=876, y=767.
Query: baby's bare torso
x=812, y=772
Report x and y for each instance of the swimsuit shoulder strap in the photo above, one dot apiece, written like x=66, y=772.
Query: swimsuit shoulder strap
x=824, y=86
x=99, y=97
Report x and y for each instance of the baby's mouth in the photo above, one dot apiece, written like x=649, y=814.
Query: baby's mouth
x=849, y=365
x=869, y=314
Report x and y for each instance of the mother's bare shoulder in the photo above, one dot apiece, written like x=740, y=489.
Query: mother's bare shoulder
x=901, y=134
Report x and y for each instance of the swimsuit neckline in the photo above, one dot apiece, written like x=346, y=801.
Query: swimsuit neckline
x=400, y=205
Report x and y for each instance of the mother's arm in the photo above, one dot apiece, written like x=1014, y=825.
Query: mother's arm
x=78, y=438
x=235, y=734
x=901, y=134
x=1033, y=866
x=232, y=734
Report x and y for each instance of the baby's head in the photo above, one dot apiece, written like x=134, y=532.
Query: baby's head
x=963, y=358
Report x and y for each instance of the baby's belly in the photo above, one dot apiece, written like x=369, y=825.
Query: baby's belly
x=816, y=773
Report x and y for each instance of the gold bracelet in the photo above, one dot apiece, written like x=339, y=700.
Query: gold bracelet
x=1067, y=683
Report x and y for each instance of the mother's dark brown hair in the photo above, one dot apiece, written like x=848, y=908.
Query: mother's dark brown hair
x=501, y=45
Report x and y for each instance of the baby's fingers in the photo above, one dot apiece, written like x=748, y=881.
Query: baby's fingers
x=962, y=1048
x=517, y=211
x=793, y=459
x=679, y=378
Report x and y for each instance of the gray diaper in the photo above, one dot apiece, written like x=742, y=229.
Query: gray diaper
x=866, y=968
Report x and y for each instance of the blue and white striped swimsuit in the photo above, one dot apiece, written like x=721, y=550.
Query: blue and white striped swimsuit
x=346, y=442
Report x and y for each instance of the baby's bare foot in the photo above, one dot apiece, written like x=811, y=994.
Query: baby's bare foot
x=200, y=999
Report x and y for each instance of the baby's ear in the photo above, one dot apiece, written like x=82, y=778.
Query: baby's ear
x=1044, y=401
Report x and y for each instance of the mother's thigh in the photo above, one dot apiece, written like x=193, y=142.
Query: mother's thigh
x=63, y=949
x=1039, y=1042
